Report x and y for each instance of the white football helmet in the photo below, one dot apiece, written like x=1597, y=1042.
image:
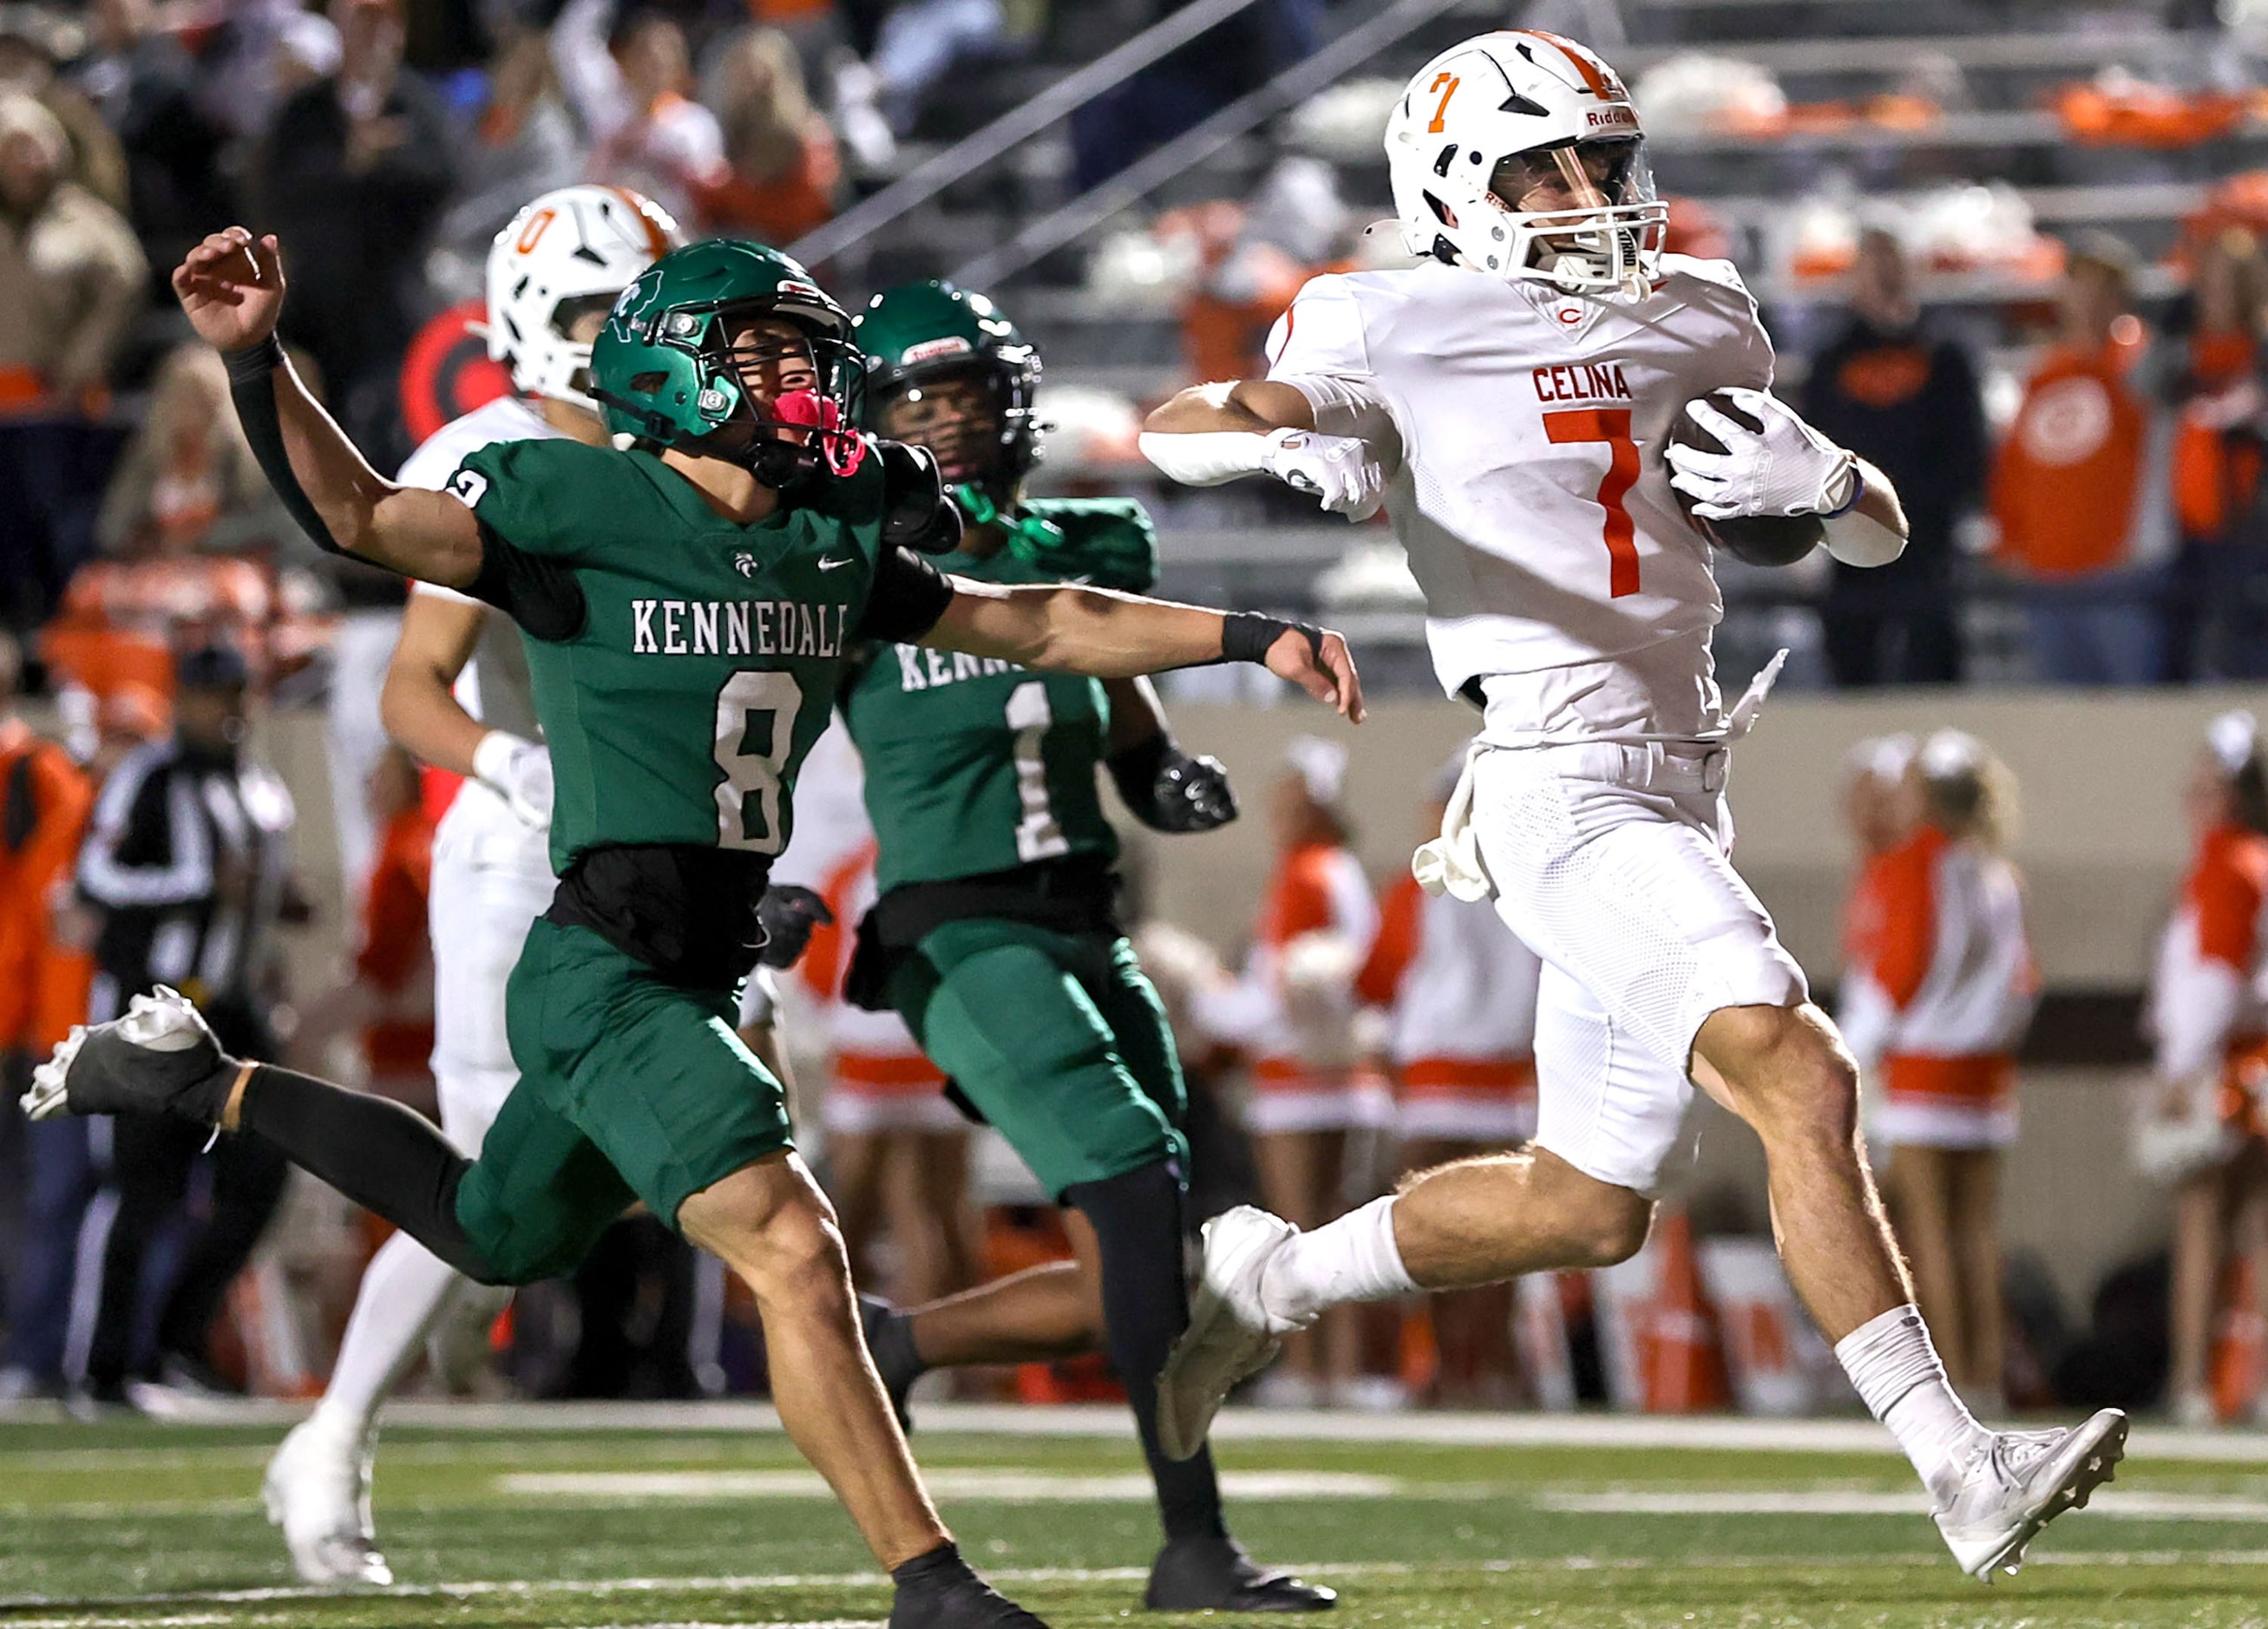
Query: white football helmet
x=576, y=247
x=1518, y=114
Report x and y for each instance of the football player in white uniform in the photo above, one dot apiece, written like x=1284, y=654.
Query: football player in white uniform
x=457, y=696
x=1509, y=400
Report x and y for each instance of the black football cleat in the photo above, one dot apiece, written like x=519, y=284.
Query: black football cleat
x=890, y=1340
x=158, y=1058
x=939, y=1590
x=1213, y=1574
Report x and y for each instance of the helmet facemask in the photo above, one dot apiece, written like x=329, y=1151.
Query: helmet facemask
x=1584, y=216
x=783, y=396
x=974, y=416
x=1518, y=154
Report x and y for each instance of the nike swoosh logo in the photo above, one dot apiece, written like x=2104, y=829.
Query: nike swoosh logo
x=832, y=562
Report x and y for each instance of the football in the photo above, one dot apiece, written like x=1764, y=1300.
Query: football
x=1759, y=540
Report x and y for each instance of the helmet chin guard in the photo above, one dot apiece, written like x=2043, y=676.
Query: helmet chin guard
x=1526, y=104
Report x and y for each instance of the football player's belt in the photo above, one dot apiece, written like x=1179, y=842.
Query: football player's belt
x=1075, y=895
x=686, y=910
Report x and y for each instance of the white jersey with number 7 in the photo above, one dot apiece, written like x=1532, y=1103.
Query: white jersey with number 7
x=1522, y=431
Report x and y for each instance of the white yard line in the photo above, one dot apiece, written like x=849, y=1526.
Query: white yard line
x=1002, y=1485
x=115, y=1510
x=1856, y=1501
x=1840, y=1435
x=600, y=1589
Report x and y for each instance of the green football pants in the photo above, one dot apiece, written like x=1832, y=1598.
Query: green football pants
x=629, y=1088
x=1058, y=1038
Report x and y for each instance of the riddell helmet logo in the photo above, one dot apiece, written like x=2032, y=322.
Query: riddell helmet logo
x=1618, y=118
x=928, y=351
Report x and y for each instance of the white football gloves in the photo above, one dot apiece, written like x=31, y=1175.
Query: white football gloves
x=1338, y=471
x=519, y=771
x=1786, y=468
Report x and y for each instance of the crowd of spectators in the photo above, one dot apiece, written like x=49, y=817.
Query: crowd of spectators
x=2118, y=510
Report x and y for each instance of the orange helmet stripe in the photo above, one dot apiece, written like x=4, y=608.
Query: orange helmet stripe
x=1596, y=75
x=656, y=239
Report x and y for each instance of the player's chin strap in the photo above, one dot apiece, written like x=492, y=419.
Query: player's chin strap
x=1453, y=864
x=252, y=387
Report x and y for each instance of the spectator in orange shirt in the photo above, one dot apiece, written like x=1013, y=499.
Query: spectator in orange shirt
x=2080, y=487
x=784, y=166
x=2216, y=626
x=1254, y=257
x=44, y=1170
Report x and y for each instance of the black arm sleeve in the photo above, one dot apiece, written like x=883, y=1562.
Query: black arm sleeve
x=252, y=387
x=910, y=595
x=541, y=594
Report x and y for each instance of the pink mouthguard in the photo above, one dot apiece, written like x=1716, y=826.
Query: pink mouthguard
x=842, y=450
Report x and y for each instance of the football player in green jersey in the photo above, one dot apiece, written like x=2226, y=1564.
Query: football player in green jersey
x=687, y=602
x=995, y=937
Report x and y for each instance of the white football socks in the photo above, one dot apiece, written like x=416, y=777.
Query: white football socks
x=1892, y=1363
x=1354, y=1259
x=404, y=1291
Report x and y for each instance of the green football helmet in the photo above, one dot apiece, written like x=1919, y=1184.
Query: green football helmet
x=918, y=332
x=667, y=371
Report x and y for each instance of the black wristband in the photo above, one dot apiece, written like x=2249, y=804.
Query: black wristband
x=255, y=362
x=1248, y=636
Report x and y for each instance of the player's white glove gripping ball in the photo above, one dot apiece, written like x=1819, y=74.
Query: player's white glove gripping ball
x=519, y=772
x=1786, y=468
x=1338, y=471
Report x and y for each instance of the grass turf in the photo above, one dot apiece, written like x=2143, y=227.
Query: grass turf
x=130, y=1523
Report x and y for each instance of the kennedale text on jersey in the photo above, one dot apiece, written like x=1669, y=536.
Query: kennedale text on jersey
x=921, y=668
x=737, y=627
x=1580, y=381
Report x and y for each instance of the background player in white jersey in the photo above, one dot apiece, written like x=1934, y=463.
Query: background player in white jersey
x=1509, y=399
x=457, y=696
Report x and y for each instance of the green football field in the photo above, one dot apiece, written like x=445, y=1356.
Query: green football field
x=502, y=1516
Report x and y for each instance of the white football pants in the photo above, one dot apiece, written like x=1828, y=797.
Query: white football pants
x=491, y=879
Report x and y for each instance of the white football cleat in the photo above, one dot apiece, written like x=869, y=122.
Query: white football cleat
x=2021, y=1481
x=317, y=1490
x=158, y=1058
x=1229, y=1337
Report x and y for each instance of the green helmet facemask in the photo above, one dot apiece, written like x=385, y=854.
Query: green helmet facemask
x=920, y=332
x=666, y=369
